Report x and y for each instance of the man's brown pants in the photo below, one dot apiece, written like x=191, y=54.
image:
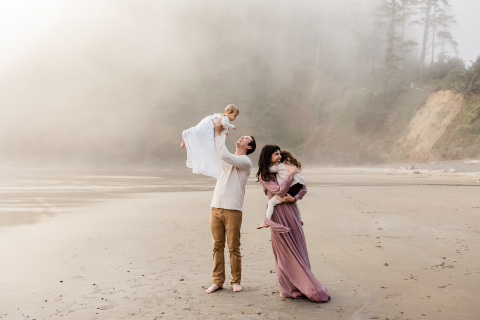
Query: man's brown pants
x=226, y=222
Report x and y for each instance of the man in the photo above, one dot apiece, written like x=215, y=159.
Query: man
x=226, y=207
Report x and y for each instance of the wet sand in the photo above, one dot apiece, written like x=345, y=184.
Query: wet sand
x=386, y=243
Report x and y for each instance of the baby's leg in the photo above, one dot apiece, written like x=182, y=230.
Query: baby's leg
x=271, y=205
x=182, y=145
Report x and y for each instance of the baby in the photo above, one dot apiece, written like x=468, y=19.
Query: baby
x=200, y=142
x=282, y=173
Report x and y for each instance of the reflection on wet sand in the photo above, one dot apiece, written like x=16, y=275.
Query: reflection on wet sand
x=31, y=195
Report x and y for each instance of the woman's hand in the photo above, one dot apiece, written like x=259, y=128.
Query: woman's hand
x=287, y=199
x=292, y=170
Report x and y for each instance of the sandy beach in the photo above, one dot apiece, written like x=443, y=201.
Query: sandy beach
x=387, y=243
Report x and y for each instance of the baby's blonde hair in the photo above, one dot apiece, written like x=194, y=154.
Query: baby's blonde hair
x=231, y=108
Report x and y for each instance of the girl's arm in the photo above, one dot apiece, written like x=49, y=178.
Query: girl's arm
x=278, y=167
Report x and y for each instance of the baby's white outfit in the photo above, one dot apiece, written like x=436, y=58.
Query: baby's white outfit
x=226, y=122
x=282, y=173
x=200, y=144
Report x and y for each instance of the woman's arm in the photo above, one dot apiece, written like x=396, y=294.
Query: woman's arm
x=277, y=189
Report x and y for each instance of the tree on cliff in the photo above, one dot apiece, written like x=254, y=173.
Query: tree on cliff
x=436, y=19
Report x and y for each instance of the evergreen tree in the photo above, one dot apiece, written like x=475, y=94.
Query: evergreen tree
x=472, y=78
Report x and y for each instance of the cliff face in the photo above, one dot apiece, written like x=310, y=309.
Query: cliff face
x=419, y=127
x=429, y=125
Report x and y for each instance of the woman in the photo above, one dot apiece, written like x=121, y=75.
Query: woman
x=288, y=240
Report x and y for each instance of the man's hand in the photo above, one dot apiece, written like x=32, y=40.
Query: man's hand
x=287, y=199
x=218, y=128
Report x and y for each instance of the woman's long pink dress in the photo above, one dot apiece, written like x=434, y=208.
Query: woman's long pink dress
x=289, y=247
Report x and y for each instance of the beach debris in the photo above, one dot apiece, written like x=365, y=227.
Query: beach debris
x=416, y=172
x=451, y=170
x=412, y=167
x=181, y=279
x=386, y=264
x=259, y=312
x=61, y=281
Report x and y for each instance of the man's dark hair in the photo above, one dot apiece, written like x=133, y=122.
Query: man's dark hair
x=252, y=144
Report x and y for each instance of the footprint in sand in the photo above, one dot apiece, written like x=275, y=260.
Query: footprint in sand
x=391, y=296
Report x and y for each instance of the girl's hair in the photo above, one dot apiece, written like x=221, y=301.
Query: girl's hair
x=231, y=108
x=264, y=161
x=288, y=157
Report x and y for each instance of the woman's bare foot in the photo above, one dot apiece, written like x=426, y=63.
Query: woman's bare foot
x=236, y=287
x=263, y=225
x=182, y=145
x=213, y=288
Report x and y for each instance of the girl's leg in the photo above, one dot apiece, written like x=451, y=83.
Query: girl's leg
x=271, y=205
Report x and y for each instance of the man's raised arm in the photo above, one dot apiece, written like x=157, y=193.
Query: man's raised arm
x=222, y=151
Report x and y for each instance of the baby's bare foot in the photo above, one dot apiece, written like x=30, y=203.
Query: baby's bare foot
x=237, y=287
x=263, y=225
x=182, y=145
x=213, y=288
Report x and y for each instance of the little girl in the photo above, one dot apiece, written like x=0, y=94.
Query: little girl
x=282, y=173
x=200, y=142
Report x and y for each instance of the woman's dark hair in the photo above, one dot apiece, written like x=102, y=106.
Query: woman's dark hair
x=264, y=161
x=288, y=157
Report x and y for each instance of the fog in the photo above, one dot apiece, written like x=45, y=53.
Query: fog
x=116, y=82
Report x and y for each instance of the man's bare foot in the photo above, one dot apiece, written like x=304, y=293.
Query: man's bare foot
x=263, y=225
x=236, y=287
x=213, y=288
x=182, y=145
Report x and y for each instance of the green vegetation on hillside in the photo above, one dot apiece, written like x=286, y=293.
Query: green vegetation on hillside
x=462, y=138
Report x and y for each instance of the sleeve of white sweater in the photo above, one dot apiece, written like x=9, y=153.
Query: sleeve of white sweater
x=241, y=162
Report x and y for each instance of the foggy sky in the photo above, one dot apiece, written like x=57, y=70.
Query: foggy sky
x=24, y=24
x=119, y=80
